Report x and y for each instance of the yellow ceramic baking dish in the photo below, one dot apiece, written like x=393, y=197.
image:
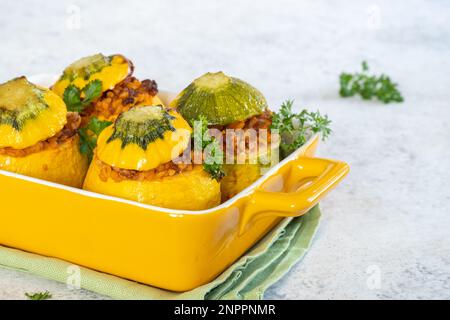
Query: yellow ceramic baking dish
x=171, y=249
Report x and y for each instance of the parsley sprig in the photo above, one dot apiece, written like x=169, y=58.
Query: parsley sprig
x=39, y=295
x=74, y=101
x=203, y=141
x=369, y=86
x=89, y=135
x=296, y=128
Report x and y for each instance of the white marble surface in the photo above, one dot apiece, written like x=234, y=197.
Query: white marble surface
x=391, y=216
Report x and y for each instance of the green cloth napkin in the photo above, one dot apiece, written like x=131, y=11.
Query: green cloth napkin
x=248, y=278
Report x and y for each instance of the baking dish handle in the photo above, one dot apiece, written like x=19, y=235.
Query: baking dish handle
x=309, y=178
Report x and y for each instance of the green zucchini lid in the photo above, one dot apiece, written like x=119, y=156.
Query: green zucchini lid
x=142, y=126
x=220, y=98
x=85, y=67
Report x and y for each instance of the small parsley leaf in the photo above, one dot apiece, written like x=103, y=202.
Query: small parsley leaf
x=92, y=91
x=89, y=135
x=72, y=98
x=39, y=295
x=214, y=157
x=97, y=126
x=74, y=101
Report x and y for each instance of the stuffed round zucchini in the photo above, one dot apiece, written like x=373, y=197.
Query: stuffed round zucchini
x=117, y=89
x=134, y=159
x=38, y=137
x=230, y=103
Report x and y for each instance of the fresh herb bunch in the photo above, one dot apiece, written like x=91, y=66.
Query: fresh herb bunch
x=74, y=101
x=89, y=135
x=39, y=295
x=214, y=157
x=296, y=128
x=369, y=86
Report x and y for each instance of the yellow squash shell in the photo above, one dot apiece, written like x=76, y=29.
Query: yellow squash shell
x=239, y=176
x=64, y=164
x=189, y=190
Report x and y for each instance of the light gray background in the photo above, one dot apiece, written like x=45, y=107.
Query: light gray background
x=390, y=219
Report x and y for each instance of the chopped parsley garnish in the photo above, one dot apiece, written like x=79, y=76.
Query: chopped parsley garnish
x=296, y=128
x=369, y=86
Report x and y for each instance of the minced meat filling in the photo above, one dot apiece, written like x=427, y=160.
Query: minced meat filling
x=69, y=131
x=125, y=95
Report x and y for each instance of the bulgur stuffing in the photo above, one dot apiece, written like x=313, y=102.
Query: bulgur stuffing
x=125, y=95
